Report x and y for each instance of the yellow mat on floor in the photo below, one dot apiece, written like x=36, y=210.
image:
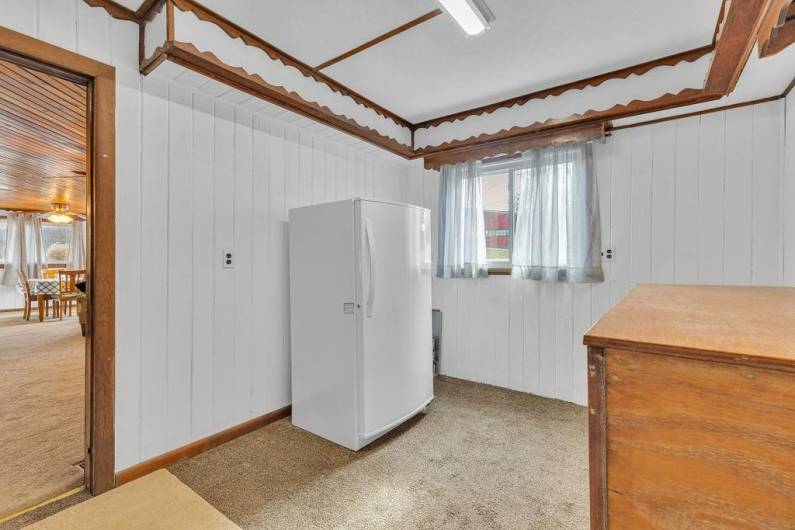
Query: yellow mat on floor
x=158, y=500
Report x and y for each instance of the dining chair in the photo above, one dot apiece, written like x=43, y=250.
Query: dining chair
x=29, y=299
x=67, y=291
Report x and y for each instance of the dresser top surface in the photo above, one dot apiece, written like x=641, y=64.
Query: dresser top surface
x=753, y=322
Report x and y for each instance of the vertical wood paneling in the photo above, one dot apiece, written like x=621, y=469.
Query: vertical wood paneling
x=738, y=195
x=681, y=202
x=640, y=201
x=180, y=270
x=662, y=202
x=686, y=211
x=56, y=22
x=242, y=246
x=204, y=260
x=274, y=312
x=260, y=254
x=712, y=157
x=766, y=234
x=154, y=267
x=128, y=218
x=788, y=194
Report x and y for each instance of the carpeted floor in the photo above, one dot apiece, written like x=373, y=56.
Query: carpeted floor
x=480, y=457
x=42, y=388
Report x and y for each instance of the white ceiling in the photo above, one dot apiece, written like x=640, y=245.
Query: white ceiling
x=315, y=31
x=434, y=69
x=534, y=44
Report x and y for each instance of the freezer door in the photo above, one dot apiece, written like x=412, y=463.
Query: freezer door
x=394, y=294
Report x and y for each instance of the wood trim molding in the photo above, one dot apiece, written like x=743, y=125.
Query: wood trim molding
x=696, y=113
x=509, y=146
x=774, y=20
x=192, y=449
x=735, y=40
x=597, y=437
x=236, y=32
x=688, y=96
x=594, y=81
x=115, y=10
x=206, y=63
x=149, y=9
x=381, y=38
x=101, y=164
x=735, y=33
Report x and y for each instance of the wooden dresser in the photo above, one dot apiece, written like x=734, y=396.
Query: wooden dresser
x=691, y=395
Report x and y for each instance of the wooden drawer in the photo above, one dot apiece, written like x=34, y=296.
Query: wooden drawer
x=680, y=442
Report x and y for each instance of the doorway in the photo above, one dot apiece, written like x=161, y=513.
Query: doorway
x=61, y=176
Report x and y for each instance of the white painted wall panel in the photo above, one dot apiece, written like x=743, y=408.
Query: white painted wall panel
x=788, y=192
x=200, y=348
x=686, y=201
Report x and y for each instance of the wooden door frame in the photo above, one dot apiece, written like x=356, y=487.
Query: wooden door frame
x=100, y=243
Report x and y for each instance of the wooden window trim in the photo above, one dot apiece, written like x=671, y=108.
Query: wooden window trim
x=100, y=242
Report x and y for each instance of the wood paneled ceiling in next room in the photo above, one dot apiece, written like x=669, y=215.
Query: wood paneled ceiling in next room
x=42, y=140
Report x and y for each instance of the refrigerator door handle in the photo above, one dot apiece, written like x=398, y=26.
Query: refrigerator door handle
x=368, y=232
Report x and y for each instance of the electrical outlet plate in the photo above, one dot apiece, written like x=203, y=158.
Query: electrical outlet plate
x=227, y=262
x=609, y=254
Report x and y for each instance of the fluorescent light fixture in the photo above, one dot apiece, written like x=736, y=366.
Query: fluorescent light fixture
x=474, y=16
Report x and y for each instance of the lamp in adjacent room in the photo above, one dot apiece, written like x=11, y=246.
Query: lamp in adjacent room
x=58, y=214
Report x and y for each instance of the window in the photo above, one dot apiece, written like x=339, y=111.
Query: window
x=497, y=214
x=3, y=226
x=55, y=240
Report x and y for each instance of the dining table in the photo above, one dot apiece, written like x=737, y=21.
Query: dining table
x=42, y=288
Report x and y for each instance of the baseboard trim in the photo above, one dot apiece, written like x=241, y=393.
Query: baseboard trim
x=199, y=446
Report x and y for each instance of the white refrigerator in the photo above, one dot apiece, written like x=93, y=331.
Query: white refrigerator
x=360, y=317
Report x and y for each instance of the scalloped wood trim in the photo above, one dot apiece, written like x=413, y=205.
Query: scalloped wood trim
x=688, y=96
x=236, y=32
x=115, y=10
x=206, y=63
x=510, y=146
x=623, y=73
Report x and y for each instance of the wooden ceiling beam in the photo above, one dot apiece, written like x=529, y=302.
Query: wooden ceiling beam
x=737, y=34
x=774, y=19
x=381, y=38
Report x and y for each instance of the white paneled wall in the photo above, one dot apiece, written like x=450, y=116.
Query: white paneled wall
x=214, y=346
x=788, y=210
x=199, y=348
x=696, y=200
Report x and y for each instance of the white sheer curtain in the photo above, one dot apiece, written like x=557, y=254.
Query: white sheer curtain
x=23, y=250
x=461, y=234
x=77, y=246
x=558, y=233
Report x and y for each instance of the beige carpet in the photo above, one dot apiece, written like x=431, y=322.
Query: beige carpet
x=42, y=388
x=156, y=501
x=481, y=457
